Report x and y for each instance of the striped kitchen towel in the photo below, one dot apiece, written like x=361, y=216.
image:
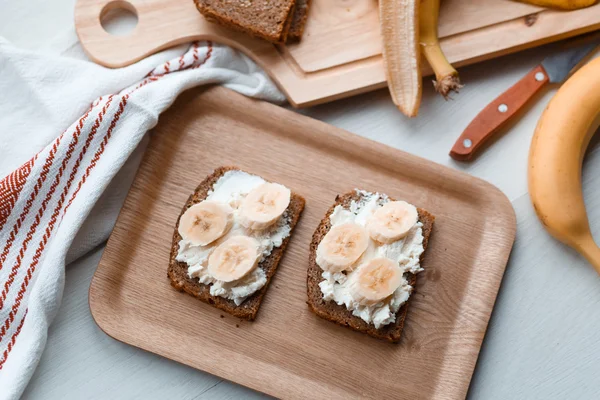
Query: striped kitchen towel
x=52, y=180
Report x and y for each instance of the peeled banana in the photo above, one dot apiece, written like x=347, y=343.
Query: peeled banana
x=205, y=222
x=400, y=32
x=234, y=258
x=409, y=28
x=392, y=221
x=375, y=280
x=341, y=247
x=263, y=205
x=555, y=160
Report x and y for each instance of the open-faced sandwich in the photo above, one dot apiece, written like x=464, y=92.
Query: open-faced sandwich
x=364, y=260
x=229, y=239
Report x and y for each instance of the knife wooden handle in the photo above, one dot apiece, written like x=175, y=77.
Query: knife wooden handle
x=497, y=113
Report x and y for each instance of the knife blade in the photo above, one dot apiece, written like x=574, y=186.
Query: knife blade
x=559, y=66
x=553, y=69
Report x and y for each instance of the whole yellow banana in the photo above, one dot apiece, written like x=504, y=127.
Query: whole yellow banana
x=555, y=159
x=561, y=4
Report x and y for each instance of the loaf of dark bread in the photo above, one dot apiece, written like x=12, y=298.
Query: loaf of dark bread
x=267, y=19
x=339, y=314
x=178, y=271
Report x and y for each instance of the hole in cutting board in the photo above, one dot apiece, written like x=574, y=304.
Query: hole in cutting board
x=119, y=18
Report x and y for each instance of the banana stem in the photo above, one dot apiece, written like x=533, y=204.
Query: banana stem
x=447, y=79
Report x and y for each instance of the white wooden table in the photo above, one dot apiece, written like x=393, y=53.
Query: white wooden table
x=543, y=339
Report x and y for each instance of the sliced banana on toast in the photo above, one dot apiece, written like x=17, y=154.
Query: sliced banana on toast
x=222, y=261
x=263, y=205
x=392, y=221
x=341, y=247
x=234, y=258
x=205, y=222
x=375, y=280
x=358, y=273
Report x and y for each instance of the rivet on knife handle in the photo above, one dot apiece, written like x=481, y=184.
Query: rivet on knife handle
x=497, y=113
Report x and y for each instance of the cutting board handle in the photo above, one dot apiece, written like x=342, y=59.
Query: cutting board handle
x=148, y=37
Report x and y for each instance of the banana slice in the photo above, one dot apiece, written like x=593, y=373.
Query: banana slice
x=374, y=281
x=341, y=247
x=264, y=205
x=205, y=222
x=234, y=258
x=392, y=221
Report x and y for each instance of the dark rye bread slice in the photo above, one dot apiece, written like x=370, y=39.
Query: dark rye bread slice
x=267, y=19
x=339, y=313
x=177, y=271
x=299, y=19
x=287, y=27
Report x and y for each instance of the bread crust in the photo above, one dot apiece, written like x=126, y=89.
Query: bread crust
x=177, y=271
x=299, y=20
x=339, y=314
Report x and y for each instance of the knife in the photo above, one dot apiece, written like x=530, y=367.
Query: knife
x=553, y=69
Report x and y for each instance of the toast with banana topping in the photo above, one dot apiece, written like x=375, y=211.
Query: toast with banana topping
x=229, y=239
x=364, y=259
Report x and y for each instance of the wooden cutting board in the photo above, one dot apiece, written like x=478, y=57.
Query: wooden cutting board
x=287, y=351
x=340, y=53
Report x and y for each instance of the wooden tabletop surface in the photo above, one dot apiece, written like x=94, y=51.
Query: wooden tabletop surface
x=542, y=339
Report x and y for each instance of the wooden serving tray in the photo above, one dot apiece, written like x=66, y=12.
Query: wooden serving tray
x=340, y=52
x=288, y=351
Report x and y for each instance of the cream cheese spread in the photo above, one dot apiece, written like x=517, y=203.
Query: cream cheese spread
x=231, y=189
x=406, y=252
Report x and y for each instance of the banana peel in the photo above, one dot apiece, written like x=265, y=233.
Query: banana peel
x=446, y=76
x=409, y=30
